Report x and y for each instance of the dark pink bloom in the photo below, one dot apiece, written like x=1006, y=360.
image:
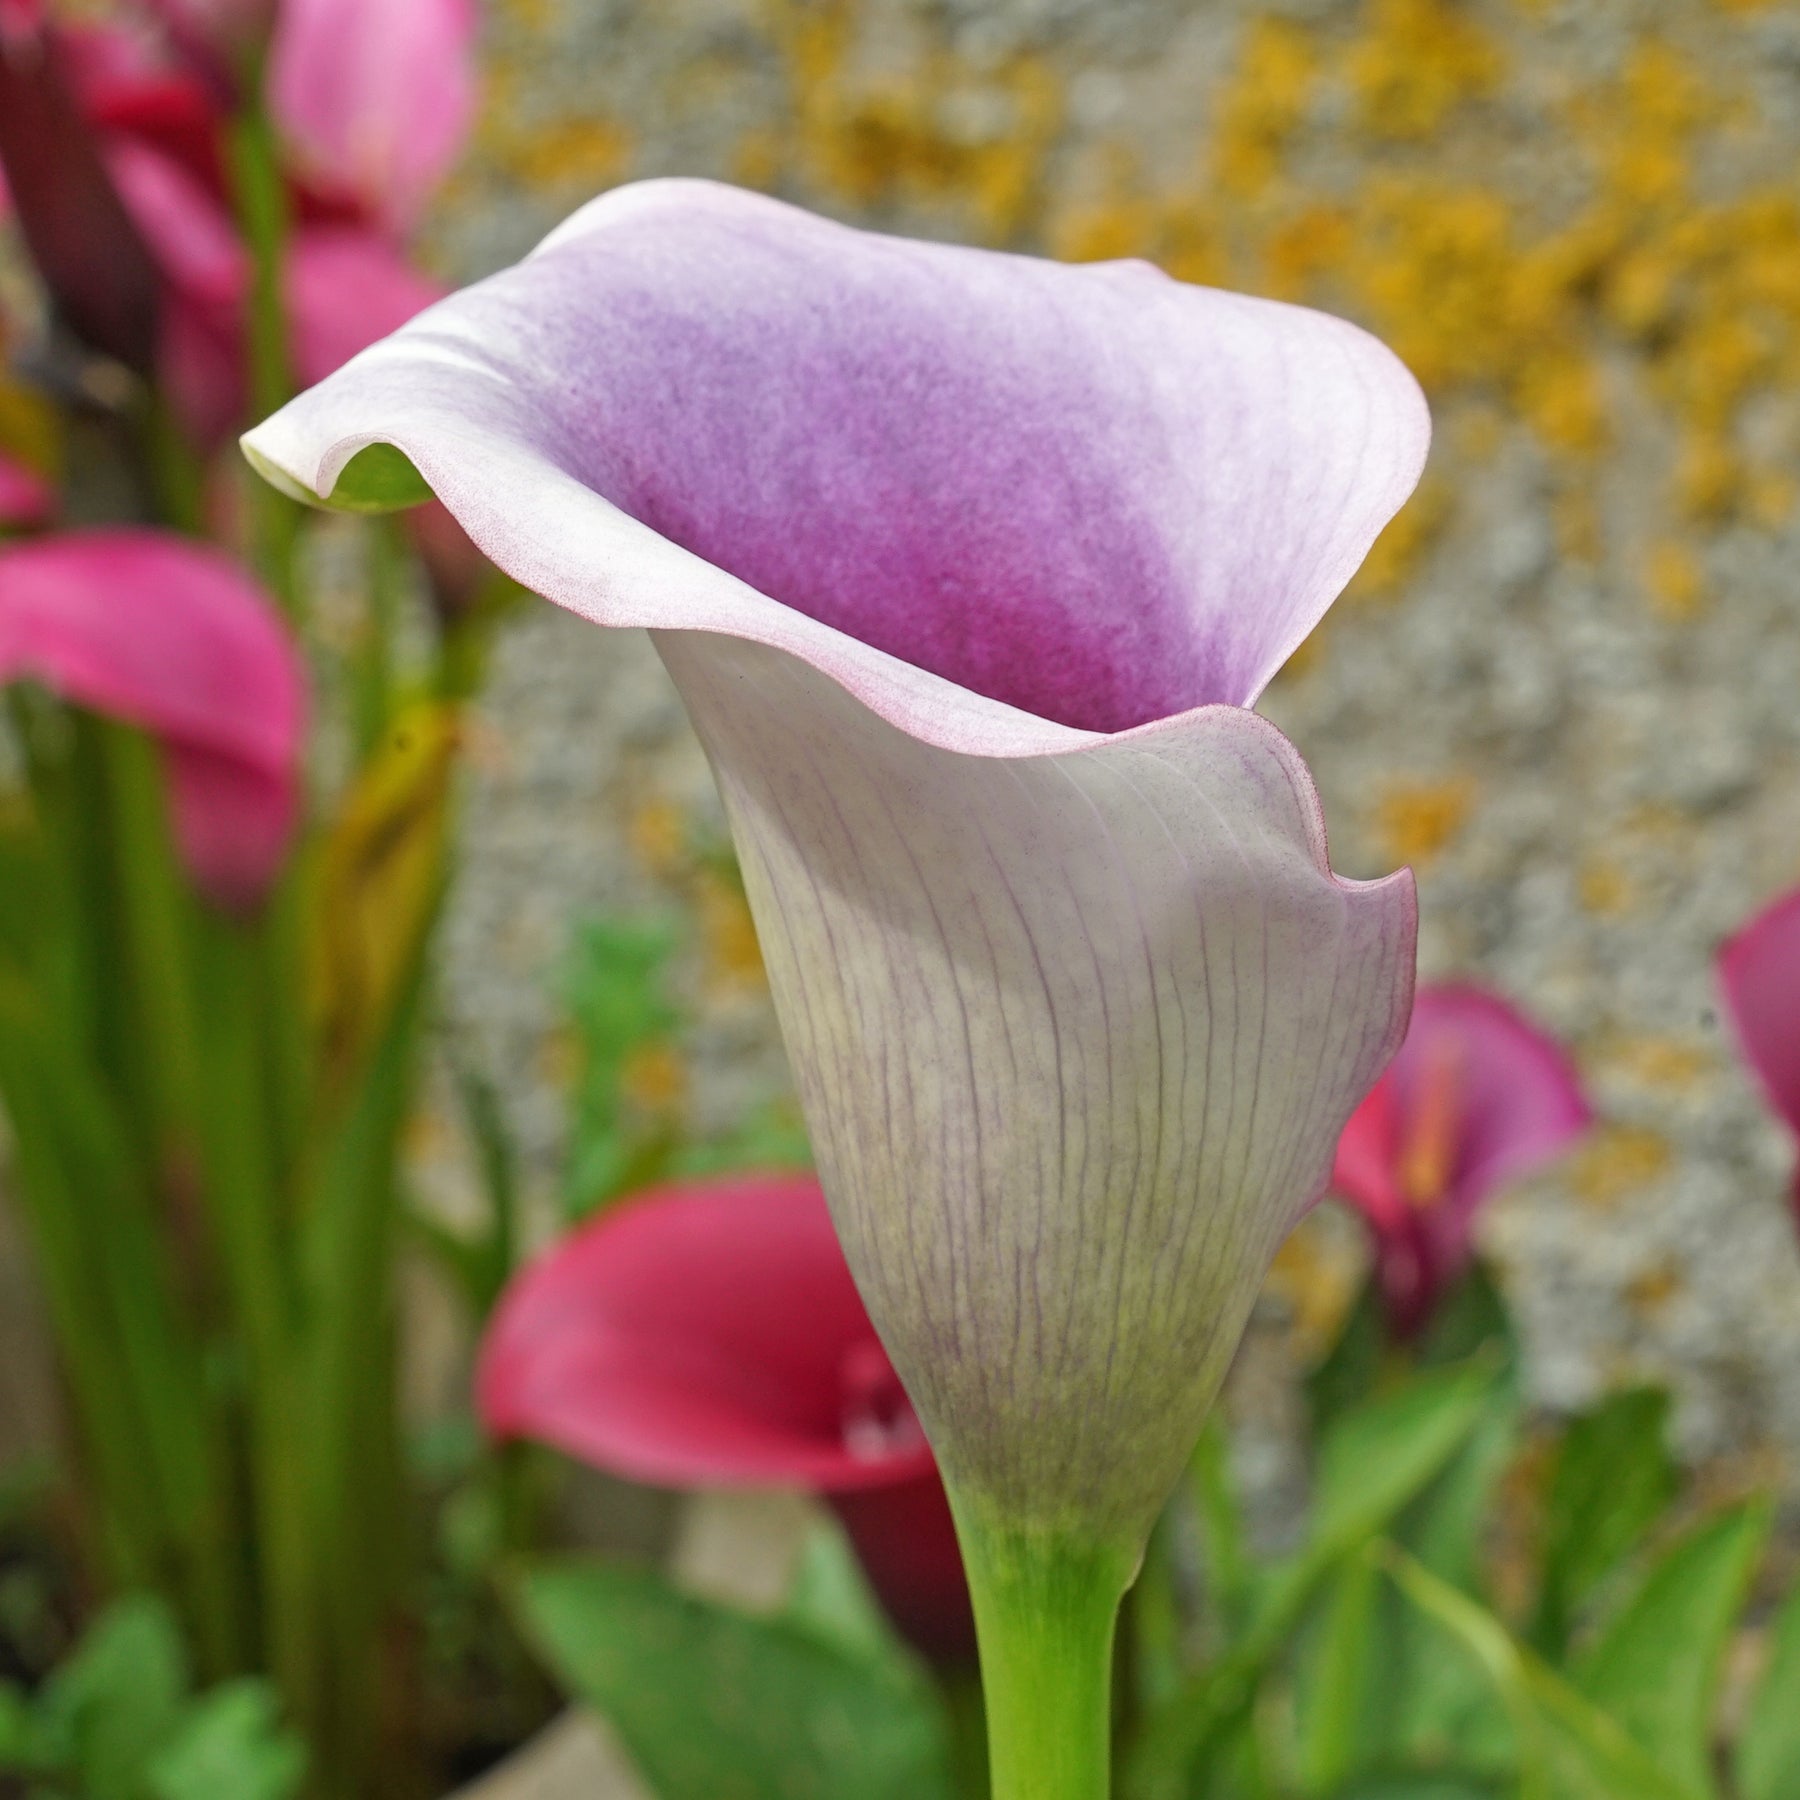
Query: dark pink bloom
x=1477, y=1097
x=80, y=233
x=711, y=1336
x=375, y=97
x=153, y=131
x=26, y=498
x=1759, y=971
x=170, y=635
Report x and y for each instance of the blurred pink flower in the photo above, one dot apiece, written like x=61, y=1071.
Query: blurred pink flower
x=26, y=498
x=375, y=97
x=1477, y=1097
x=710, y=1335
x=170, y=635
x=156, y=200
x=1759, y=971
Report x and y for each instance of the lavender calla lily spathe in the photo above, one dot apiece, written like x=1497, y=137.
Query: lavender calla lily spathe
x=969, y=568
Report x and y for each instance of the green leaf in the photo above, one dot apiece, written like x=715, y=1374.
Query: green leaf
x=118, y=1699
x=231, y=1745
x=1470, y=1318
x=716, y=1705
x=1339, y=1677
x=1377, y=1457
x=1768, y=1752
x=1569, y=1747
x=1614, y=1478
x=830, y=1598
x=1374, y=1460
x=1656, y=1667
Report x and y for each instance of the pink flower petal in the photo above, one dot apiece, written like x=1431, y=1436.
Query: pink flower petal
x=346, y=288
x=710, y=1336
x=1759, y=972
x=171, y=636
x=375, y=97
x=1077, y=1019
x=1477, y=1098
x=695, y=1337
x=80, y=234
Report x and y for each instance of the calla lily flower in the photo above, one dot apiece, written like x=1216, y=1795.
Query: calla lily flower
x=969, y=568
x=710, y=1336
x=375, y=97
x=1759, y=972
x=1478, y=1097
x=169, y=635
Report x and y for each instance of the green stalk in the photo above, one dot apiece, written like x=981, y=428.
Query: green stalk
x=1046, y=1605
x=260, y=199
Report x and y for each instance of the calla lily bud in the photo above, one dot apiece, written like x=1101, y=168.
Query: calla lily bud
x=1759, y=973
x=969, y=568
x=1478, y=1098
x=169, y=635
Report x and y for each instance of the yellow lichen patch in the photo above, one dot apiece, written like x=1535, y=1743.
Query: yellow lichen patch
x=654, y=1079
x=584, y=154
x=937, y=132
x=1415, y=821
x=1656, y=1061
x=1617, y=1161
x=1674, y=580
x=1276, y=71
x=1316, y=1272
x=1651, y=1289
x=1605, y=888
x=728, y=934
x=1415, y=62
x=658, y=836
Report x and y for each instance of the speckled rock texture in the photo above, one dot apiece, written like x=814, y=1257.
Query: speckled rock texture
x=1567, y=686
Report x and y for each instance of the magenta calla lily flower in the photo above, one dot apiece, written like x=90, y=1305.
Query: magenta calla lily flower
x=375, y=97
x=710, y=1336
x=26, y=498
x=1759, y=973
x=968, y=567
x=169, y=635
x=1478, y=1097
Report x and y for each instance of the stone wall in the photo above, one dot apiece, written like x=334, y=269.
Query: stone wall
x=1567, y=686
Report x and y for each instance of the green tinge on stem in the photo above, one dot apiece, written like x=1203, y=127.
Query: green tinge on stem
x=1046, y=1607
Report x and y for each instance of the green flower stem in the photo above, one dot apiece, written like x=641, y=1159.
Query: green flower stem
x=260, y=201
x=1045, y=1610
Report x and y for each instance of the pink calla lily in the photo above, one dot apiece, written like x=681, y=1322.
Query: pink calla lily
x=710, y=1336
x=375, y=99
x=1759, y=973
x=172, y=636
x=142, y=248
x=968, y=567
x=1478, y=1097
